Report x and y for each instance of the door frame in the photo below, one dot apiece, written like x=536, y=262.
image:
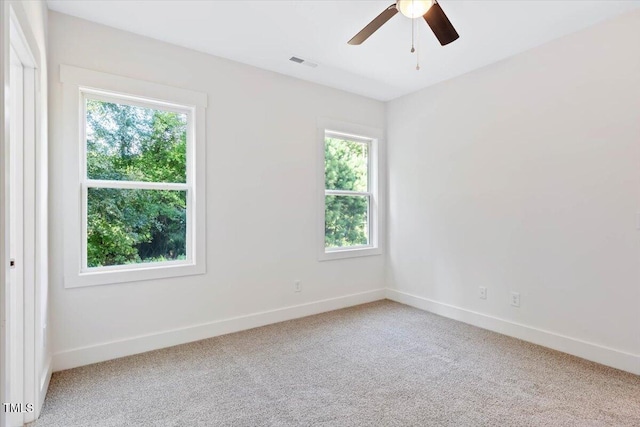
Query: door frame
x=15, y=34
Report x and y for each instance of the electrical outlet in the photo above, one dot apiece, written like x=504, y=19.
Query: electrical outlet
x=483, y=292
x=515, y=299
x=297, y=287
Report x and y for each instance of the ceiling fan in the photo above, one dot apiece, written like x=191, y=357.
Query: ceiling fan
x=430, y=10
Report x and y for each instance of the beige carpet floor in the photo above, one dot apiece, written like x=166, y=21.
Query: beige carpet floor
x=379, y=364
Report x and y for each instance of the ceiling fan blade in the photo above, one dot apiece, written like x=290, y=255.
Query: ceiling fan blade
x=440, y=25
x=373, y=26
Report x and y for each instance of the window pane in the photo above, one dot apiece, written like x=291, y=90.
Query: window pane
x=345, y=164
x=135, y=226
x=129, y=143
x=346, y=221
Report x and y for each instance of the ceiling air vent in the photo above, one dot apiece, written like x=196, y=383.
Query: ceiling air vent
x=303, y=62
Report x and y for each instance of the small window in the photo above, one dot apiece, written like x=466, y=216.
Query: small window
x=347, y=197
x=136, y=157
x=350, y=196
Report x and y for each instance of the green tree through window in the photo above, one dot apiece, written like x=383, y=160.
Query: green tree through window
x=346, y=185
x=130, y=143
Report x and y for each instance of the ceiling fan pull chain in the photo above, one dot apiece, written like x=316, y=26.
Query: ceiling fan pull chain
x=418, y=48
x=413, y=23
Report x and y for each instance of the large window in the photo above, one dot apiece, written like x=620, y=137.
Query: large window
x=140, y=176
x=350, y=199
x=135, y=183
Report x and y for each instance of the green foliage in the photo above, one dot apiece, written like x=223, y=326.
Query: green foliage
x=346, y=165
x=131, y=143
x=345, y=221
x=135, y=144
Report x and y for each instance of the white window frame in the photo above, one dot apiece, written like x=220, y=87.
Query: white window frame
x=373, y=137
x=80, y=84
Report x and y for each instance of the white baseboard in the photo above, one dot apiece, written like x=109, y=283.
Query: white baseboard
x=111, y=350
x=586, y=350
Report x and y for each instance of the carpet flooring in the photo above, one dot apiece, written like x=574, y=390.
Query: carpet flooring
x=379, y=364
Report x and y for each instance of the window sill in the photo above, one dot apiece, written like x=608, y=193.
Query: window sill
x=113, y=277
x=349, y=253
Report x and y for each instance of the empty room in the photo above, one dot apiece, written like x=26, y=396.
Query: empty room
x=320, y=213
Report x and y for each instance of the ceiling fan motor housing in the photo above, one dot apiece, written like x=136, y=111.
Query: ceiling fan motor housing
x=413, y=8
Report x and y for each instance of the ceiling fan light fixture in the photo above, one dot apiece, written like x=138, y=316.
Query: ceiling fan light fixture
x=414, y=8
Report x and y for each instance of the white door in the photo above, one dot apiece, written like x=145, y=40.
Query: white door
x=15, y=288
x=18, y=346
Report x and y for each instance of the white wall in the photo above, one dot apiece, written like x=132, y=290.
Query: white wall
x=261, y=202
x=525, y=176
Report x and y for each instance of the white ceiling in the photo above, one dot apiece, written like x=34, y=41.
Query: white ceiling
x=267, y=33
